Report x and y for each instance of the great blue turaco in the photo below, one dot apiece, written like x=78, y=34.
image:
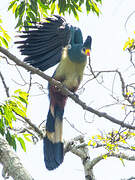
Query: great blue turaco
x=46, y=44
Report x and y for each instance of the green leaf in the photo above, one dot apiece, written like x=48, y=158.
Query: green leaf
x=14, y=8
x=90, y=142
x=26, y=23
x=105, y=156
x=2, y=128
x=44, y=1
x=31, y=16
x=33, y=6
x=27, y=138
x=91, y=5
x=11, y=140
x=95, y=8
x=133, y=147
x=99, y=1
x=121, y=159
x=11, y=4
x=6, y=36
x=19, y=112
x=81, y=2
x=62, y=6
x=17, y=11
x=21, y=95
x=76, y=6
x=23, y=100
x=19, y=22
x=18, y=107
x=22, y=8
x=4, y=41
x=18, y=103
x=14, y=143
x=88, y=7
x=17, y=91
x=22, y=143
x=7, y=115
x=8, y=137
x=52, y=7
x=74, y=12
x=43, y=6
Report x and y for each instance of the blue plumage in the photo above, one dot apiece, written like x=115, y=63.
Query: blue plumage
x=45, y=45
x=53, y=154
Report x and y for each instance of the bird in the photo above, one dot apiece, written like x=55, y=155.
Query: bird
x=45, y=44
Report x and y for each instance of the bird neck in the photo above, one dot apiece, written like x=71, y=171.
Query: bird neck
x=66, y=61
x=75, y=54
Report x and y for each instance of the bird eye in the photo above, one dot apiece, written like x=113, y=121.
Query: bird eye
x=69, y=46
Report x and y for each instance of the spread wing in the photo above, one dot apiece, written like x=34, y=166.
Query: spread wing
x=44, y=42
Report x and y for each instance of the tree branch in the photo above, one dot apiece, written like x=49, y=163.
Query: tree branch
x=83, y=153
x=131, y=178
x=34, y=127
x=11, y=163
x=4, y=84
x=117, y=155
x=64, y=90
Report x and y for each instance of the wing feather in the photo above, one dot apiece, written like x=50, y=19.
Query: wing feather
x=51, y=61
x=44, y=42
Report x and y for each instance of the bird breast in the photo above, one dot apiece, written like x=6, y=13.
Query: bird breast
x=69, y=73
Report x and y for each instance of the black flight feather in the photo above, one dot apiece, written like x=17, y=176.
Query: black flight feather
x=44, y=42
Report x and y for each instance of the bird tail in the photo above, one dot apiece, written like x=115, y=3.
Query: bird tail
x=53, y=145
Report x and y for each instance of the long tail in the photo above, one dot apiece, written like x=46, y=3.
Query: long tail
x=53, y=145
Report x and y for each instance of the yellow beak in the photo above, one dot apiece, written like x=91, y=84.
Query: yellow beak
x=87, y=52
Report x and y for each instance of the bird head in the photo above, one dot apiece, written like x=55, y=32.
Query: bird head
x=78, y=52
x=87, y=46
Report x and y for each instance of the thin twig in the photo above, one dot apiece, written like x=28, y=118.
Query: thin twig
x=4, y=84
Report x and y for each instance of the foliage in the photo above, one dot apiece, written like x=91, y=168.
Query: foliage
x=113, y=141
x=130, y=44
x=110, y=141
x=4, y=37
x=33, y=10
x=130, y=96
x=9, y=111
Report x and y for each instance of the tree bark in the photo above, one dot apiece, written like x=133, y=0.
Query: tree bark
x=11, y=163
x=81, y=151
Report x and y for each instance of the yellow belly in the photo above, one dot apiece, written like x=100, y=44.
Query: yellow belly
x=69, y=73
